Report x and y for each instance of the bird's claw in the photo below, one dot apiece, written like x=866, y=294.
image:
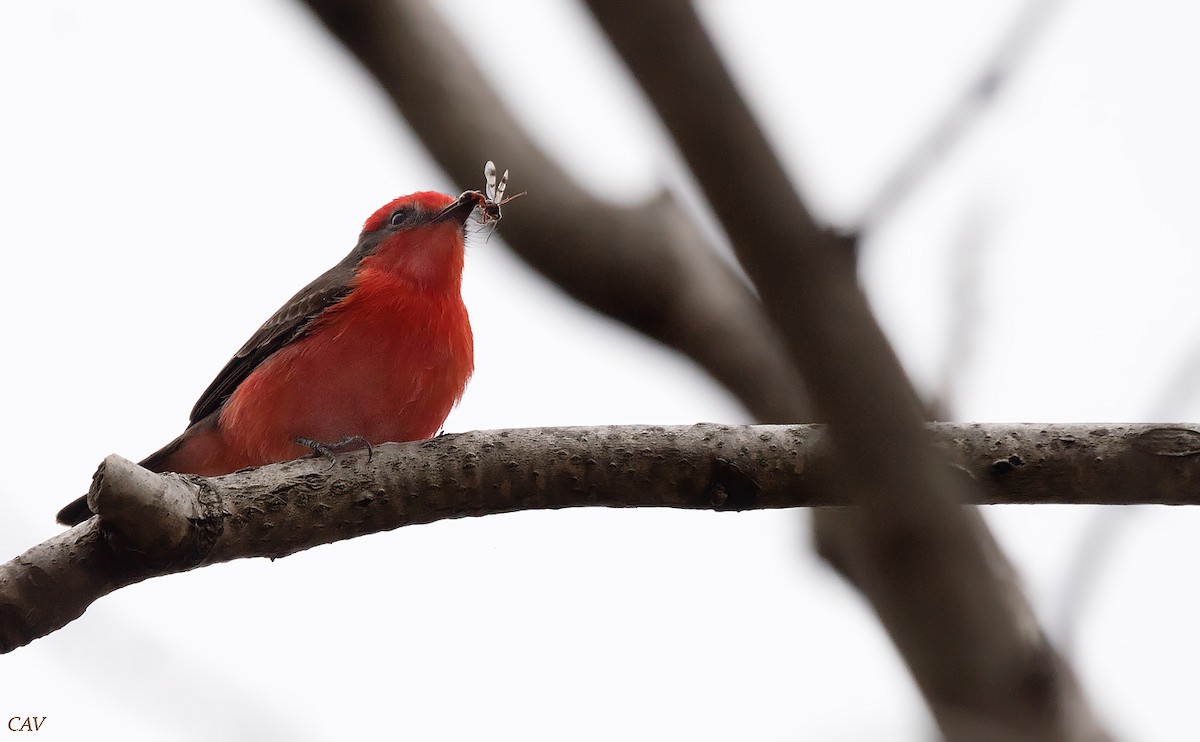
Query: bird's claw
x=330, y=449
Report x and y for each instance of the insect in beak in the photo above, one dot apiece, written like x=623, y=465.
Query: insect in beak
x=493, y=190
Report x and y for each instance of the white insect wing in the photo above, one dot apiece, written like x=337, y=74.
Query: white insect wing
x=500, y=187
x=489, y=177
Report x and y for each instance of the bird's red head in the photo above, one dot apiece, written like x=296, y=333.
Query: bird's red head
x=419, y=237
x=408, y=211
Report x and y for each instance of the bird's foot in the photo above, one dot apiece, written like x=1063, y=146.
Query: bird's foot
x=357, y=441
x=330, y=450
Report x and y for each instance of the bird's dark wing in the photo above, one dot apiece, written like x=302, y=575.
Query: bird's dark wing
x=288, y=324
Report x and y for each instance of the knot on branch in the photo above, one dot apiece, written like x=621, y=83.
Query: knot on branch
x=1168, y=441
x=730, y=488
x=163, y=518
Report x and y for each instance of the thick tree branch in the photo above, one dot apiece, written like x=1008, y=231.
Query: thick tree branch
x=648, y=266
x=281, y=509
x=932, y=571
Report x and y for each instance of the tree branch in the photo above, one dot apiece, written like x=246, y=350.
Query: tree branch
x=964, y=110
x=281, y=509
x=648, y=266
x=934, y=574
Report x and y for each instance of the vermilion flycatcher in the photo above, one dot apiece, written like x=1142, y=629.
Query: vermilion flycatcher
x=377, y=349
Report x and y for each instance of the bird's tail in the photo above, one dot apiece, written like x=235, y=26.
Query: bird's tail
x=75, y=513
x=159, y=461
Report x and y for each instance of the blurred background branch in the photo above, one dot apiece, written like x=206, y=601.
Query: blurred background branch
x=967, y=307
x=1105, y=527
x=648, y=265
x=937, y=579
x=948, y=130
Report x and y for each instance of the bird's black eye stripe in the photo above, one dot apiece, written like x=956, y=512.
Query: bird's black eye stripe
x=399, y=217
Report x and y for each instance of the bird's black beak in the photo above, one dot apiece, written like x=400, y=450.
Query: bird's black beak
x=462, y=207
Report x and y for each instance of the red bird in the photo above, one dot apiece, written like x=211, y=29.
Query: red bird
x=376, y=349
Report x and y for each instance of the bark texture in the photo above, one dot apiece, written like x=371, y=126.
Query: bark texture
x=281, y=509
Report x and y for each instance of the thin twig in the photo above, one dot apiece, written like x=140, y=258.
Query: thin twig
x=1104, y=527
x=965, y=289
x=997, y=70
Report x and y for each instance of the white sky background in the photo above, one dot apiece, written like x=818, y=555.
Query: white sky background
x=170, y=173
